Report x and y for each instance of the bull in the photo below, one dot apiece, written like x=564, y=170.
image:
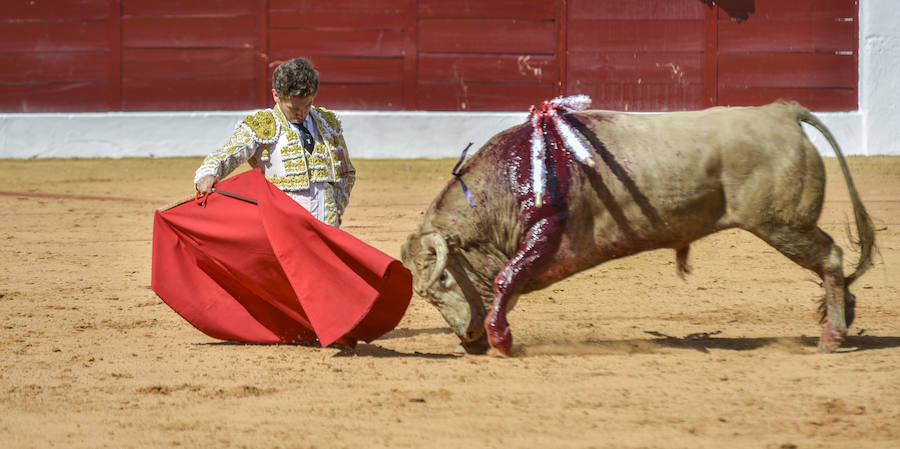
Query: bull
x=658, y=181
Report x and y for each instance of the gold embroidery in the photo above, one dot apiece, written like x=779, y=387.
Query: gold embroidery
x=292, y=151
x=348, y=184
x=289, y=182
x=331, y=215
x=330, y=119
x=318, y=175
x=291, y=135
x=224, y=160
x=294, y=167
x=316, y=160
x=263, y=126
x=327, y=163
x=324, y=164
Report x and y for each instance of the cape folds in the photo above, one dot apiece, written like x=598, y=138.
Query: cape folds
x=270, y=272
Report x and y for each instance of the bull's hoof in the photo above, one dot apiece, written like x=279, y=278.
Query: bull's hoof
x=498, y=334
x=831, y=339
x=501, y=341
x=500, y=338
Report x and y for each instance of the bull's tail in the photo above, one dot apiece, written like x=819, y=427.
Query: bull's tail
x=864, y=229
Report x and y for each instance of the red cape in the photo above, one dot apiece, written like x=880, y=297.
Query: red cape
x=272, y=273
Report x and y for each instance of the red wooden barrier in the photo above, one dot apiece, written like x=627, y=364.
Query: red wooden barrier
x=802, y=50
x=189, y=55
x=630, y=56
x=96, y=55
x=499, y=55
x=361, y=48
x=54, y=55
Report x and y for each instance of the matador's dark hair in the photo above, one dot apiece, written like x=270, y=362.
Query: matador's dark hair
x=295, y=78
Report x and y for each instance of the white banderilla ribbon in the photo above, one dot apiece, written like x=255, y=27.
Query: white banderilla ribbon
x=571, y=139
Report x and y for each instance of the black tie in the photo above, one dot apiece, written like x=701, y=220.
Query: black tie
x=306, y=138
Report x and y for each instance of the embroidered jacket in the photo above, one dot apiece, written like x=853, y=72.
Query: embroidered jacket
x=267, y=141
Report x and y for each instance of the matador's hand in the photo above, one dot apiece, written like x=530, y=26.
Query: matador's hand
x=205, y=185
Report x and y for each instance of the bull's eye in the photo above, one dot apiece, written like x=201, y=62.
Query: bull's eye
x=443, y=278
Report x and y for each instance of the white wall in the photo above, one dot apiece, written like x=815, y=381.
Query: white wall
x=370, y=135
x=879, y=75
x=873, y=129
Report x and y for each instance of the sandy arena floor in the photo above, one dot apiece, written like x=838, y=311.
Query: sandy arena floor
x=626, y=355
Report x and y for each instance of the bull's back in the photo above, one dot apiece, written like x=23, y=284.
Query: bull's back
x=665, y=180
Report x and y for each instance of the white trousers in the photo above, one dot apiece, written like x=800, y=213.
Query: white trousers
x=313, y=200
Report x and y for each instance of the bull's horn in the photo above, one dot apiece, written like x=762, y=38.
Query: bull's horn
x=435, y=243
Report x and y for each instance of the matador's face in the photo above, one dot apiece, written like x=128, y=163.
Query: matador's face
x=295, y=109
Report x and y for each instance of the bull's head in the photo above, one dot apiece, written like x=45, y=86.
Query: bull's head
x=440, y=276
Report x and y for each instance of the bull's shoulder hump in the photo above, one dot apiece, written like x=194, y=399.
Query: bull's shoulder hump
x=502, y=136
x=599, y=115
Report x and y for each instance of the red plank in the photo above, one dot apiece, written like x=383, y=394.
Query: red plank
x=239, y=31
x=196, y=94
x=759, y=10
x=52, y=67
x=359, y=70
x=132, y=8
x=786, y=70
x=483, y=97
x=618, y=67
x=487, y=68
x=56, y=37
x=339, y=5
x=814, y=99
x=53, y=10
x=494, y=9
x=63, y=97
x=710, y=58
x=371, y=53
x=410, y=55
x=642, y=97
x=114, y=61
x=174, y=63
x=263, y=82
x=787, y=36
x=352, y=69
x=487, y=36
x=360, y=96
x=636, y=35
x=636, y=10
x=358, y=20
x=562, y=53
x=287, y=44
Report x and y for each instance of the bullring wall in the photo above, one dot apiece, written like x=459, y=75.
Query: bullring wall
x=872, y=129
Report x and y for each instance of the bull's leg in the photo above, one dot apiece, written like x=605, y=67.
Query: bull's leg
x=541, y=242
x=837, y=299
x=816, y=251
